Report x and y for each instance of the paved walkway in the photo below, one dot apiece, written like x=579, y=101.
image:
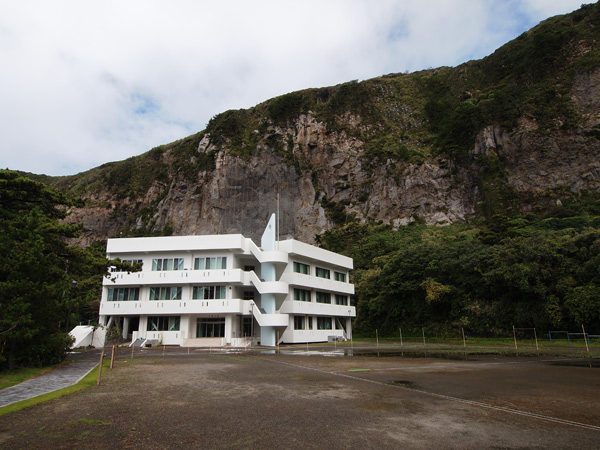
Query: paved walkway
x=57, y=379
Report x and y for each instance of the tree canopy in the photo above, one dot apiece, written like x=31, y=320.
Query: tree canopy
x=37, y=270
x=523, y=272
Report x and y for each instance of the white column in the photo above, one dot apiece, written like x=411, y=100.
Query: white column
x=228, y=328
x=125, y=326
x=267, y=271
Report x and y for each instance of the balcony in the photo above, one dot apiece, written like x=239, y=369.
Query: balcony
x=317, y=309
x=176, y=307
x=177, y=277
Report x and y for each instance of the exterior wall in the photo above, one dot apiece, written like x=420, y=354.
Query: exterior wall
x=241, y=309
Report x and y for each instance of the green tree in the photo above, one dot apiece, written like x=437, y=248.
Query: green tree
x=37, y=268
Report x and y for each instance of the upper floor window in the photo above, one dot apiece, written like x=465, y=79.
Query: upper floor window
x=301, y=295
x=339, y=276
x=167, y=264
x=123, y=294
x=323, y=273
x=301, y=268
x=323, y=297
x=216, y=262
x=165, y=293
x=130, y=261
x=209, y=293
x=341, y=299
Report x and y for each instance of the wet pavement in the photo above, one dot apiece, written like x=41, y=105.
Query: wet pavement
x=60, y=378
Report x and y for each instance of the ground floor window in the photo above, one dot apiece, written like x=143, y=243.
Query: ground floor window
x=298, y=322
x=247, y=326
x=323, y=323
x=212, y=327
x=163, y=323
x=341, y=299
x=310, y=323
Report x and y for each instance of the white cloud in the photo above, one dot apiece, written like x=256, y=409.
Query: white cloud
x=85, y=83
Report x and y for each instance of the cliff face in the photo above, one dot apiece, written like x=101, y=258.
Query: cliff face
x=368, y=151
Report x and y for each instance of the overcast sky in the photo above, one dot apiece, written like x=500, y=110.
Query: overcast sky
x=87, y=82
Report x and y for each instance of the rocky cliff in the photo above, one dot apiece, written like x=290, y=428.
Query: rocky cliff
x=437, y=146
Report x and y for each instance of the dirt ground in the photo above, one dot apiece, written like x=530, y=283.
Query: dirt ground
x=304, y=400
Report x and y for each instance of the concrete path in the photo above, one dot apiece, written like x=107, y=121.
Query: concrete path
x=57, y=379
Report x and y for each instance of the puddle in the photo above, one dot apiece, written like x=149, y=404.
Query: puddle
x=591, y=363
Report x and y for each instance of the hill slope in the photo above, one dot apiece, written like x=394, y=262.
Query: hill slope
x=514, y=132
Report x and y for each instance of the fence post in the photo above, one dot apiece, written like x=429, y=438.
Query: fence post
x=112, y=357
x=464, y=340
x=536, y=341
x=100, y=368
x=401, y=344
x=587, y=347
x=515, y=336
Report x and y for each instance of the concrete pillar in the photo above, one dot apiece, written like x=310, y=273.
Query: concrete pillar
x=349, y=328
x=125, y=327
x=228, y=328
x=268, y=273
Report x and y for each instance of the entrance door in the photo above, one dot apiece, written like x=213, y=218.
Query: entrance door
x=209, y=328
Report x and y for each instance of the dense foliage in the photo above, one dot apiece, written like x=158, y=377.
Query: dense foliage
x=38, y=298
x=524, y=272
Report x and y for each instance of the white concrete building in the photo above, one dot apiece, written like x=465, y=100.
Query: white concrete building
x=224, y=290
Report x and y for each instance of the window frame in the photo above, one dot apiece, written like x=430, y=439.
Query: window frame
x=302, y=295
x=302, y=268
x=323, y=297
x=322, y=272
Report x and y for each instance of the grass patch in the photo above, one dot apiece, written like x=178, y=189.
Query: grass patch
x=12, y=377
x=86, y=382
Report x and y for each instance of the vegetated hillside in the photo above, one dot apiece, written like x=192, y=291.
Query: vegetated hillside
x=514, y=132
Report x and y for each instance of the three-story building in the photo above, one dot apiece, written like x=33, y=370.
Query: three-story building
x=224, y=290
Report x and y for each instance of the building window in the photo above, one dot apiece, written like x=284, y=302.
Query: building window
x=323, y=323
x=301, y=295
x=248, y=295
x=298, y=322
x=163, y=323
x=339, y=276
x=167, y=264
x=210, y=328
x=123, y=294
x=130, y=261
x=322, y=273
x=310, y=322
x=301, y=268
x=209, y=292
x=165, y=293
x=210, y=263
x=323, y=297
x=341, y=300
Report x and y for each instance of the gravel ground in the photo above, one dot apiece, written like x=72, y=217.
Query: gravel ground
x=264, y=400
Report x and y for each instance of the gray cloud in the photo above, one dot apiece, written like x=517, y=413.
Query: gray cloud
x=85, y=83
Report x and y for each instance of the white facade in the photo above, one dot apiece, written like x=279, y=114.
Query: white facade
x=225, y=290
